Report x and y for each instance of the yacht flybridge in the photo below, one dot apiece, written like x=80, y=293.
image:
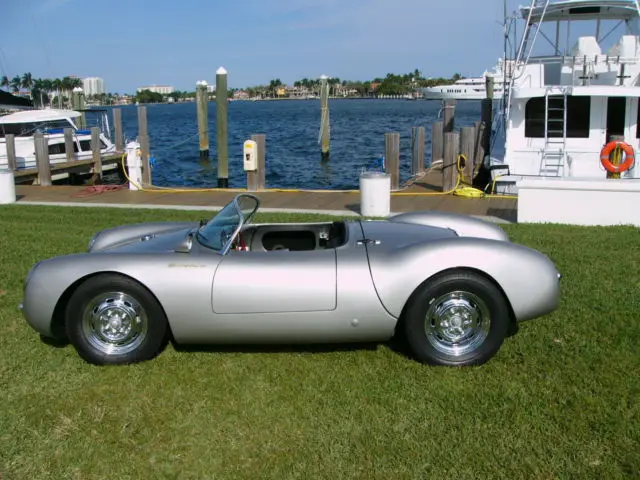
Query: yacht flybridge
x=574, y=90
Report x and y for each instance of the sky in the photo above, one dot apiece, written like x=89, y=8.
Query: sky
x=131, y=43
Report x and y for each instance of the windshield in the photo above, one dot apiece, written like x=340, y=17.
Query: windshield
x=220, y=231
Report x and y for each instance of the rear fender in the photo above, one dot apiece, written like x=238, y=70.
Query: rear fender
x=528, y=278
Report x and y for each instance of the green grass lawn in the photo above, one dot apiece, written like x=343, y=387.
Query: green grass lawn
x=560, y=399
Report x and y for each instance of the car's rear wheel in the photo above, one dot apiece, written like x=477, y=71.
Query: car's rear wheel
x=458, y=318
x=111, y=319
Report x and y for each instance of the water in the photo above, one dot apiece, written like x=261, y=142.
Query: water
x=291, y=129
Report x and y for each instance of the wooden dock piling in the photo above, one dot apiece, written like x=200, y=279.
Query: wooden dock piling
x=42, y=159
x=69, y=149
x=117, y=129
x=95, y=151
x=450, y=162
x=260, y=139
x=77, y=104
x=202, y=102
x=325, y=128
x=448, y=115
x=10, y=140
x=143, y=138
x=437, y=139
x=392, y=158
x=467, y=147
x=417, y=150
x=222, y=103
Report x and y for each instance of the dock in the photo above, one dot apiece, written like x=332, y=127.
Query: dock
x=423, y=194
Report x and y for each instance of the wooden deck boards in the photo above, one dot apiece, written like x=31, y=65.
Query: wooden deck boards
x=497, y=207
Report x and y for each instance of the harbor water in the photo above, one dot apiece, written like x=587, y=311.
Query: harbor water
x=291, y=128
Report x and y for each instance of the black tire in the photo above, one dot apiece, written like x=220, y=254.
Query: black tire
x=123, y=303
x=479, y=296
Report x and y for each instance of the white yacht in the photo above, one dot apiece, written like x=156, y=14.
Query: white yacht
x=473, y=88
x=568, y=104
x=51, y=122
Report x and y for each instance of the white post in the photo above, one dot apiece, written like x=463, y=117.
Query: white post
x=7, y=187
x=134, y=166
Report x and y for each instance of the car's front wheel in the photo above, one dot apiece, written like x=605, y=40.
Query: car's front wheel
x=111, y=319
x=458, y=318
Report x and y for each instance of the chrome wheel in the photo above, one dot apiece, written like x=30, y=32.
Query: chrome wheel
x=114, y=323
x=457, y=323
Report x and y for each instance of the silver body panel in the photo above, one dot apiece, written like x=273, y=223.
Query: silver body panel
x=354, y=291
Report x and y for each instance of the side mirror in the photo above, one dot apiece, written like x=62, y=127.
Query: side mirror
x=186, y=244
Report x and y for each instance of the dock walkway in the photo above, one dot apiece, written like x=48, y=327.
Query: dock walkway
x=423, y=194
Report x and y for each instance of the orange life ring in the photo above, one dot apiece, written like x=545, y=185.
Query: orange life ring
x=605, y=153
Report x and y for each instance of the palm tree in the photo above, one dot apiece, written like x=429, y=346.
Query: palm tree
x=4, y=82
x=27, y=81
x=15, y=83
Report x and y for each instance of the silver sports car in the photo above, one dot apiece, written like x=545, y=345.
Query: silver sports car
x=452, y=286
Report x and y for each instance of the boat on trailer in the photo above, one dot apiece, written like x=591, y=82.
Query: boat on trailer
x=51, y=122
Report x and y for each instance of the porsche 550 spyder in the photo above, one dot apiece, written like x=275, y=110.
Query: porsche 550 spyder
x=450, y=285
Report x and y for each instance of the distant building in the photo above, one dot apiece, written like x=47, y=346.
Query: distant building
x=163, y=89
x=93, y=86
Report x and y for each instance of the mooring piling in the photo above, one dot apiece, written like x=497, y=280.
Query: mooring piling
x=417, y=150
x=143, y=138
x=437, y=139
x=202, y=101
x=325, y=128
x=117, y=129
x=450, y=162
x=77, y=103
x=392, y=157
x=11, y=151
x=42, y=159
x=222, y=114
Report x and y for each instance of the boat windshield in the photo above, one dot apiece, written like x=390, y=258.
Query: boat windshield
x=219, y=233
x=27, y=129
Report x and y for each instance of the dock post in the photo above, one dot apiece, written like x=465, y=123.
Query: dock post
x=450, y=163
x=417, y=150
x=392, y=157
x=448, y=115
x=437, y=137
x=478, y=153
x=325, y=127
x=68, y=145
x=487, y=117
x=117, y=128
x=467, y=143
x=42, y=159
x=143, y=138
x=10, y=139
x=222, y=103
x=77, y=103
x=202, y=102
x=262, y=154
x=96, y=154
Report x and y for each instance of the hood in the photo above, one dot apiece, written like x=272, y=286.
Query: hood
x=143, y=237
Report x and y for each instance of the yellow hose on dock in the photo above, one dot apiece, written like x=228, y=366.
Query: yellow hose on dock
x=460, y=189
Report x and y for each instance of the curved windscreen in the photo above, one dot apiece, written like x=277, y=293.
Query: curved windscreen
x=220, y=231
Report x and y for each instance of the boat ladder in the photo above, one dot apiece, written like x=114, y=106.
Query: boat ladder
x=555, y=135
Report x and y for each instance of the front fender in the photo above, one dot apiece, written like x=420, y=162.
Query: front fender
x=180, y=282
x=529, y=280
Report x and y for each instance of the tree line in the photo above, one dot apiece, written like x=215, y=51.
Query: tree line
x=42, y=88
